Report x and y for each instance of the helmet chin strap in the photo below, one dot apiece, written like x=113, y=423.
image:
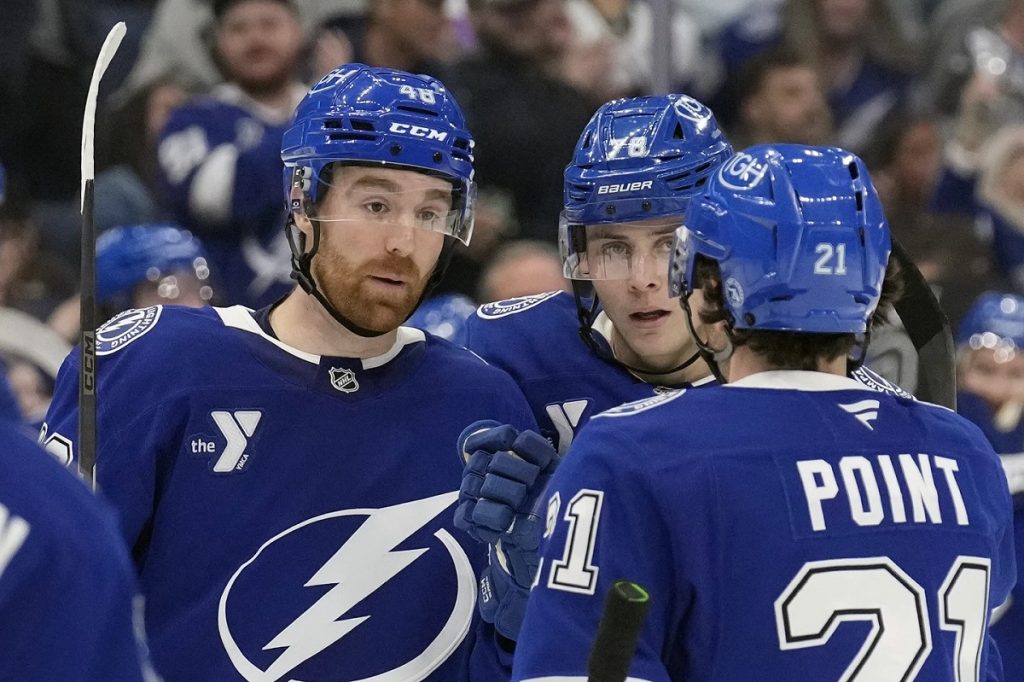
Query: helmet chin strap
x=302, y=261
x=302, y=273
x=711, y=356
x=587, y=316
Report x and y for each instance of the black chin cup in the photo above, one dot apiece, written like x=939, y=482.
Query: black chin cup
x=587, y=316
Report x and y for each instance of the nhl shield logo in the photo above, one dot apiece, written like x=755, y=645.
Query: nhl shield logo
x=344, y=380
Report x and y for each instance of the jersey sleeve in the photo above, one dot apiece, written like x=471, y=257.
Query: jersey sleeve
x=134, y=424
x=69, y=608
x=597, y=522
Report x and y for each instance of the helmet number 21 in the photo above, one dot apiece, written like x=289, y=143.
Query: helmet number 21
x=831, y=259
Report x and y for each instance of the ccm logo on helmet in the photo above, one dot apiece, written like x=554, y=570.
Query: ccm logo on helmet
x=418, y=131
x=625, y=187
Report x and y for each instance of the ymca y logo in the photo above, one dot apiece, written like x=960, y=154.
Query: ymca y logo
x=566, y=417
x=237, y=428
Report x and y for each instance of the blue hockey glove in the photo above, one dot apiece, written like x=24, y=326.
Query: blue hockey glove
x=506, y=473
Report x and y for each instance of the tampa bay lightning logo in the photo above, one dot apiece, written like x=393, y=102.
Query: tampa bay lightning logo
x=638, y=406
x=124, y=328
x=310, y=604
x=691, y=109
x=510, y=306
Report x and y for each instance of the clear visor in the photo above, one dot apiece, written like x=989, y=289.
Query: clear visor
x=616, y=250
x=393, y=197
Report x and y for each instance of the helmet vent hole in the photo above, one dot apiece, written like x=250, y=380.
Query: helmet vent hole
x=358, y=124
x=749, y=319
x=587, y=140
x=461, y=143
x=332, y=124
x=416, y=110
x=677, y=134
x=860, y=201
x=340, y=137
x=854, y=171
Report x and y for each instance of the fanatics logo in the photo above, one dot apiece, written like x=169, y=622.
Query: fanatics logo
x=344, y=380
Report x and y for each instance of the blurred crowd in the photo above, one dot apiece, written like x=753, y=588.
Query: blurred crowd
x=189, y=181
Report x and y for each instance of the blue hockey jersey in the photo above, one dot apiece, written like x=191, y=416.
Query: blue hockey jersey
x=67, y=590
x=219, y=171
x=536, y=339
x=825, y=533
x=291, y=514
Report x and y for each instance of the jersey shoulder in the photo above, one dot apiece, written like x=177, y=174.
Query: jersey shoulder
x=516, y=330
x=465, y=366
x=32, y=482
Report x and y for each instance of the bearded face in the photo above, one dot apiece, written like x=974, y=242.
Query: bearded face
x=377, y=252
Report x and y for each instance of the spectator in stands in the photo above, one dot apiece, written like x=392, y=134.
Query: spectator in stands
x=782, y=101
x=525, y=120
x=412, y=35
x=860, y=50
x=522, y=268
x=971, y=38
x=219, y=156
x=611, y=55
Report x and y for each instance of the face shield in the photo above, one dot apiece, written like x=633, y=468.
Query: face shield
x=610, y=250
x=378, y=196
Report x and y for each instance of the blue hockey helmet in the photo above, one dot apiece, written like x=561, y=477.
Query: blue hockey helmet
x=130, y=255
x=360, y=115
x=995, y=321
x=799, y=236
x=637, y=159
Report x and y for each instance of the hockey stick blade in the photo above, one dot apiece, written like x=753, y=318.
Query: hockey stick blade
x=87, y=364
x=625, y=609
x=929, y=331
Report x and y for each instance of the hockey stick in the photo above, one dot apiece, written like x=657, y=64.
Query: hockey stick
x=929, y=331
x=625, y=609
x=87, y=365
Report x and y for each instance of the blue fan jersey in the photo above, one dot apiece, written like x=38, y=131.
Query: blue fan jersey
x=536, y=339
x=291, y=515
x=219, y=171
x=789, y=526
x=67, y=590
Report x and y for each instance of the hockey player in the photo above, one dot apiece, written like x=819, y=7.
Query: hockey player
x=67, y=590
x=792, y=524
x=991, y=377
x=636, y=166
x=284, y=477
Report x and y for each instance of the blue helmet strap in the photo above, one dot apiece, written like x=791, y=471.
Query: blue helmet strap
x=587, y=315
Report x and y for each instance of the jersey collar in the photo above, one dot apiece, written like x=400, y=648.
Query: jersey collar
x=799, y=380
x=240, y=317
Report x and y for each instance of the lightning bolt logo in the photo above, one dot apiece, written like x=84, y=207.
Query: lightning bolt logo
x=126, y=321
x=356, y=570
